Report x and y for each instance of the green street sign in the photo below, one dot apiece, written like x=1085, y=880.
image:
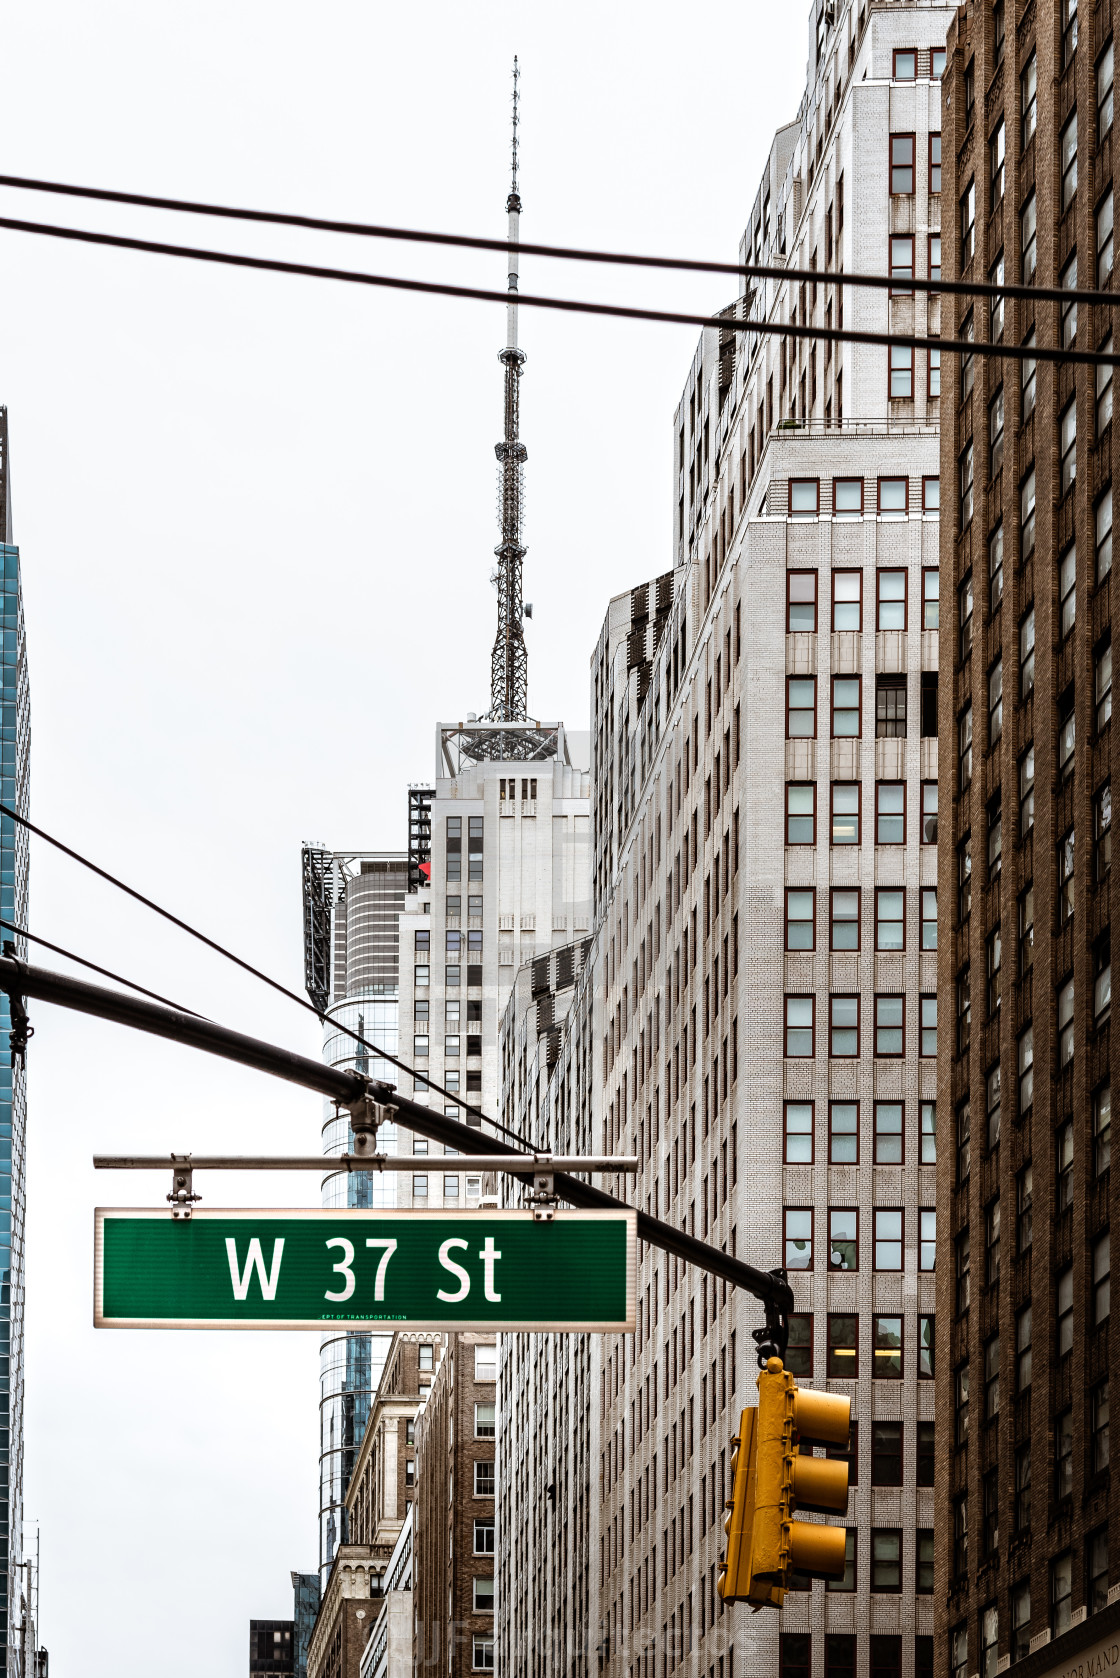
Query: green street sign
x=413, y=1269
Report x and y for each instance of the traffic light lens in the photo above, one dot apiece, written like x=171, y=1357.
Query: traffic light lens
x=820, y=1484
x=822, y=1416
x=818, y=1550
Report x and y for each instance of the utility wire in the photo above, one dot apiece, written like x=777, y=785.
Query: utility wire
x=104, y=971
x=220, y=949
x=569, y=253
x=727, y=323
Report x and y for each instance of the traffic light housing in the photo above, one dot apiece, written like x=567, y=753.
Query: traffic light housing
x=770, y=1478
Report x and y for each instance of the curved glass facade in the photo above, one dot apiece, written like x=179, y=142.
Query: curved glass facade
x=14, y=773
x=365, y=1000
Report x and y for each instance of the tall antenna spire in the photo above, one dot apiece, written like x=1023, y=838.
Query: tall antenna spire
x=509, y=676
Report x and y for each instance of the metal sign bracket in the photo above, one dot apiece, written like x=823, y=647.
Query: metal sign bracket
x=182, y=1196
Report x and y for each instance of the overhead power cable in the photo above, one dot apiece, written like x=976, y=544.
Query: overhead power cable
x=729, y=323
x=105, y=972
x=220, y=949
x=567, y=253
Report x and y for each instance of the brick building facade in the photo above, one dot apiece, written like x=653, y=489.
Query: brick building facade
x=453, y=1515
x=1028, y=1523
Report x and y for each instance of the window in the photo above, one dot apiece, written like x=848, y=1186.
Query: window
x=843, y=1027
x=484, y=1546
x=1068, y=311
x=1069, y=30
x=890, y=812
x=799, y=1133
x=845, y=707
x=890, y=591
x=886, y=1448
x=1104, y=93
x=801, y=813
x=1023, y=1361
x=484, y=1421
x=843, y=1239
x=902, y=266
x=931, y=585
x=482, y=1652
x=997, y=152
x=901, y=381
x=1022, y=1509
x=995, y=840
x=929, y=812
x=801, y=601
x=795, y=1655
x=890, y=1028
x=845, y=812
x=905, y=65
x=888, y=1239
x=886, y=1559
x=800, y=1026
x=968, y=223
x=964, y=1143
x=964, y=616
x=1028, y=239
x=799, y=1238
x=1098, y=1428
x=1101, y=1279
x=923, y=1559
x=964, y=1272
x=933, y=388
x=966, y=474
x=927, y=1133
x=995, y=552
x=484, y=1479
x=801, y=919
x=1067, y=442
x=991, y=1241
x=1102, y=683
x=804, y=498
x=486, y=1363
x=1102, y=1130
x=997, y=34
x=989, y=1641
x=834, y=1666
x=902, y=163
x=992, y=1102
x=888, y=1132
x=1063, y=1455
x=1065, y=1023
x=1026, y=517
x=926, y=1360
x=847, y=595
x=991, y=1379
x=1025, y=1052
x=843, y=1132
x=1028, y=100
x=936, y=68
x=844, y=928
x=1065, y=1311
x=1103, y=526
x=1102, y=982
x=1061, y=1586
x=1096, y=1570
x=801, y=707
x=1026, y=794
x=1028, y=379
x=1067, y=158
x=994, y=950
x=420, y=1188
x=1104, y=241
x=890, y=707
x=1063, y=1165
x=842, y=1362
x=483, y=1594
x=799, y=1348
x=847, y=502
x=995, y=702
x=1065, y=878
x=1104, y=403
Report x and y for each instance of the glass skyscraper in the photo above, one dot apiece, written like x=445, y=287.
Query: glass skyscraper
x=352, y=901
x=14, y=773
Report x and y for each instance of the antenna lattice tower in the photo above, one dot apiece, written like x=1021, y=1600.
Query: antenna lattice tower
x=509, y=674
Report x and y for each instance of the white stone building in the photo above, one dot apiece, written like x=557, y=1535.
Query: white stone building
x=509, y=880
x=761, y=998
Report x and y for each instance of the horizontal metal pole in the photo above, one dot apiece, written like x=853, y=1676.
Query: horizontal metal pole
x=326, y=1163
x=20, y=978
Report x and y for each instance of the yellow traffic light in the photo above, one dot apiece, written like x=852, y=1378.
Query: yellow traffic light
x=770, y=1479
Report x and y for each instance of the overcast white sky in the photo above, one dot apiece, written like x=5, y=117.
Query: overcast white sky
x=257, y=520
